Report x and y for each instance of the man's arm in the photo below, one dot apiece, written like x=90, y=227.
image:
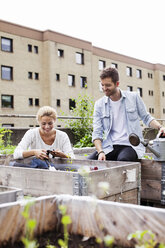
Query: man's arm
x=155, y=124
x=98, y=145
x=147, y=118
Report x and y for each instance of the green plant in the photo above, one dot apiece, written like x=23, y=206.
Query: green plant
x=66, y=220
x=144, y=239
x=147, y=157
x=82, y=128
x=28, y=240
x=5, y=141
x=85, y=141
x=107, y=240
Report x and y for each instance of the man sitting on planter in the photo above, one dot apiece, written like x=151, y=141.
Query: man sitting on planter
x=116, y=116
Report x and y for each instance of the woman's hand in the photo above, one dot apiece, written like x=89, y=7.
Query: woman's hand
x=58, y=153
x=40, y=153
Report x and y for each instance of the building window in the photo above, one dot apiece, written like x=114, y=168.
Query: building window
x=150, y=93
x=140, y=91
x=114, y=65
x=36, y=76
x=60, y=53
x=57, y=77
x=163, y=77
x=6, y=44
x=129, y=71
x=102, y=64
x=71, y=80
x=58, y=103
x=6, y=72
x=30, y=75
x=7, y=101
x=72, y=103
x=80, y=58
x=29, y=48
x=83, y=82
x=129, y=88
x=7, y=125
x=151, y=110
x=138, y=73
x=163, y=111
x=35, y=49
x=37, y=102
x=149, y=75
x=30, y=101
x=163, y=93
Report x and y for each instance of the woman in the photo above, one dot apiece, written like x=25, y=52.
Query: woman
x=37, y=141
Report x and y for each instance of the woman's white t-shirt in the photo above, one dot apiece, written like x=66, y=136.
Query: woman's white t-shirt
x=33, y=140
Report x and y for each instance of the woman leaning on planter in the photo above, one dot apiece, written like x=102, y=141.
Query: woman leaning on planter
x=38, y=140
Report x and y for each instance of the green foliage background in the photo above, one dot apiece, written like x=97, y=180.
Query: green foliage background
x=5, y=141
x=82, y=128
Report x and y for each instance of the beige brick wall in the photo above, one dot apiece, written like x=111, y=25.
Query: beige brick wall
x=47, y=63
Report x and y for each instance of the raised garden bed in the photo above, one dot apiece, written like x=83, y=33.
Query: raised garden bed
x=123, y=178
x=90, y=218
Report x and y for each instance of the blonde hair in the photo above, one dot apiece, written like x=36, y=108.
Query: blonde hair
x=46, y=111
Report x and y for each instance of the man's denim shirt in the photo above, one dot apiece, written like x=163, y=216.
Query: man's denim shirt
x=135, y=111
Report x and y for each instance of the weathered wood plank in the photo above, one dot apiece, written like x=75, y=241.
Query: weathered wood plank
x=151, y=190
x=117, y=179
x=37, y=182
x=151, y=172
x=130, y=196
x=90, y=217
x=150, y=169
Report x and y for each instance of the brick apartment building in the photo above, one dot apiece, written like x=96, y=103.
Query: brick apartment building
x=49, y=68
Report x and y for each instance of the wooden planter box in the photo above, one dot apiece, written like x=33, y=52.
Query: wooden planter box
x=90, y=218
x=152, y=181
x=124, y=179
x=8, y=194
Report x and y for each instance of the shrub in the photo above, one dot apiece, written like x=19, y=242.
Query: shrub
x=5, y=141
x=82, y=128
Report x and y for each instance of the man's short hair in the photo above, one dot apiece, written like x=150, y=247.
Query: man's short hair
x=110, y=73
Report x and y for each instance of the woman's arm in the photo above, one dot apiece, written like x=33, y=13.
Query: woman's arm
x=65, y=145
x=38, y=153
x=23, y=145
x=22, y=151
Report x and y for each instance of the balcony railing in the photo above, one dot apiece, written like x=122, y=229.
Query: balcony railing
x=34, y=116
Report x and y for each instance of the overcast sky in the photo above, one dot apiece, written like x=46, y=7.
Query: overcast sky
x=131, y=27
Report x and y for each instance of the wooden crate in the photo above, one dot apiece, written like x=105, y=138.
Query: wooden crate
x=8, y=194
x=90, y=218
x=151, y=180
x=124, y=179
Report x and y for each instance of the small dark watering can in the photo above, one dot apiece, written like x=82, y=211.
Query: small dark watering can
x=158, y=147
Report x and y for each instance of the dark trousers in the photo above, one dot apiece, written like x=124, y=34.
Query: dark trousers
x=120, y=153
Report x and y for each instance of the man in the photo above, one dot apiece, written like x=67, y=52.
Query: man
x=116, y=115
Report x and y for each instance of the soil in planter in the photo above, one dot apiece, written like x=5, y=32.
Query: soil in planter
x=51, y=238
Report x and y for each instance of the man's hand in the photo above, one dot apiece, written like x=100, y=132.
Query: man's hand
x=101, y=156
x=161, y=132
